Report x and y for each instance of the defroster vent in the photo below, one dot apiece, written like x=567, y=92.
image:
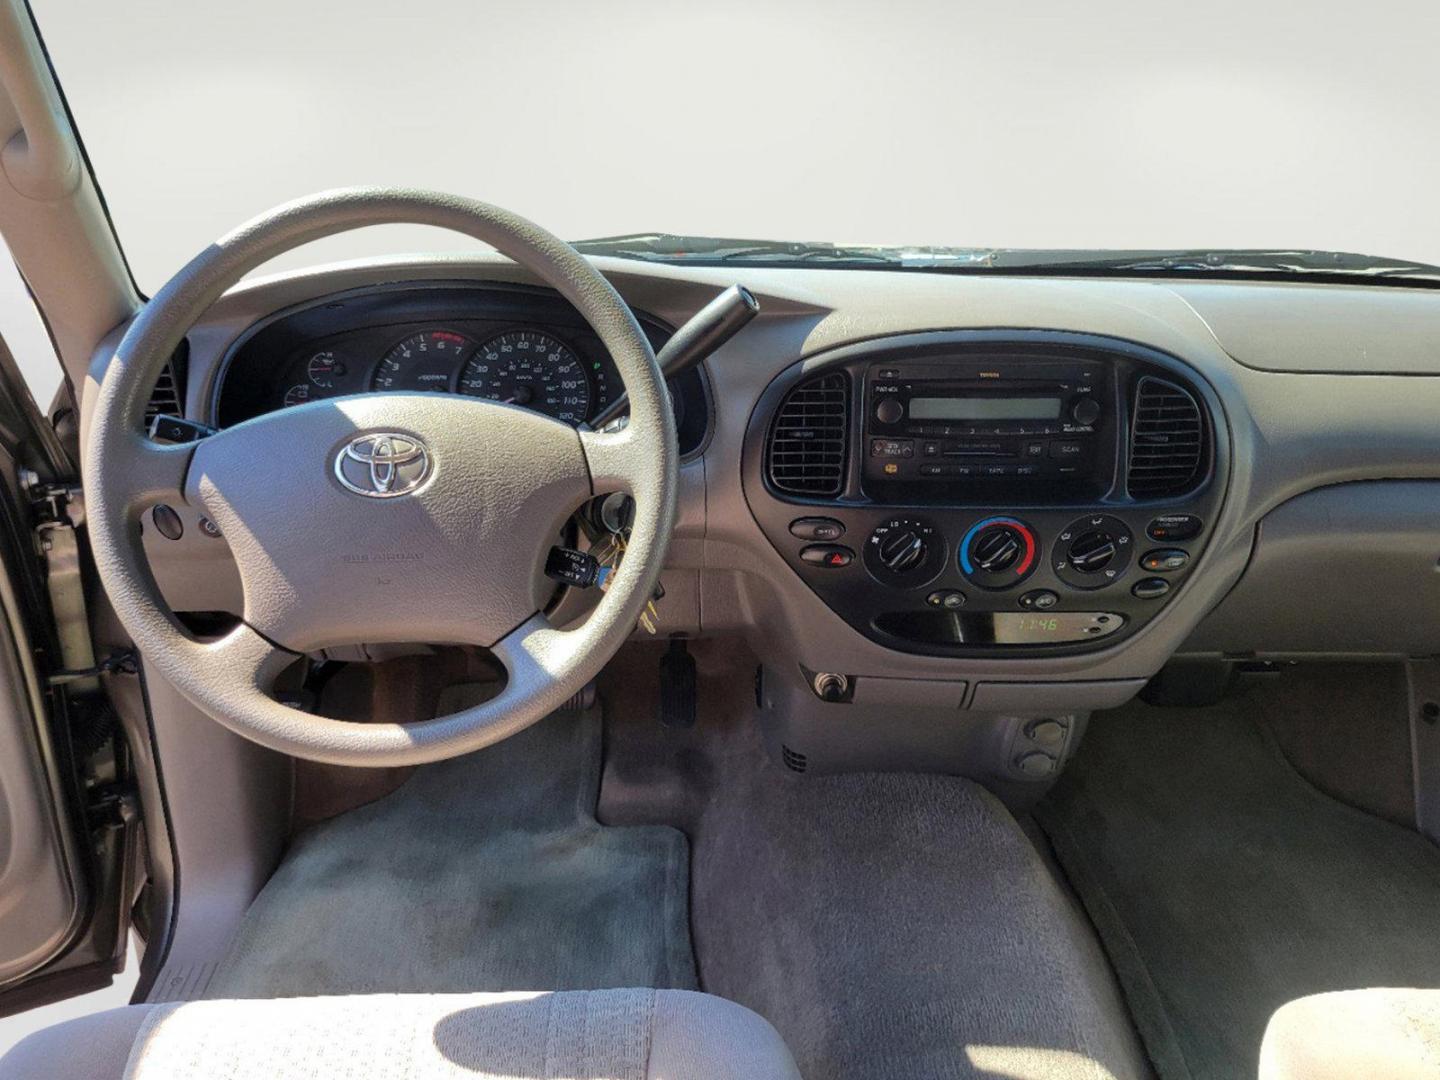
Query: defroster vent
x=1167, y=440
x=806, y=451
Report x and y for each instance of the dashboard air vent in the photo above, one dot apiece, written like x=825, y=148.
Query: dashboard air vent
x=806, y=451
x=168, y=397
x=1167, y=447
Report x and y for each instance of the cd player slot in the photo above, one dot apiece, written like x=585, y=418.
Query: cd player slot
x=969, y=450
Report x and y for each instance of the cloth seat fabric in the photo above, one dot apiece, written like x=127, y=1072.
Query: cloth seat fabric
x=631, y=1034
x=1394, y=1033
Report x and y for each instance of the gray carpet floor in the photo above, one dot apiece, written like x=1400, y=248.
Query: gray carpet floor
x=1224, y=885
x=888, y=925
x=488, y=872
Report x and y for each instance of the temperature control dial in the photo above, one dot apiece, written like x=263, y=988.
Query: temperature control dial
x=998, y=552
x=904, y=551
x=1093, y=551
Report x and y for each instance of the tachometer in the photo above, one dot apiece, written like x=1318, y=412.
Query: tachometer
x=529, y=368
x=425, y=361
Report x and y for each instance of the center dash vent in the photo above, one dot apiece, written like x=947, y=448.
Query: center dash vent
x=805, y=454
x=1167, y=440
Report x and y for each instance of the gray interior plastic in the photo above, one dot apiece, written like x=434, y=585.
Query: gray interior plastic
x=261, y=481
x=1292, y=426
x=1342, y=330
x=1346, y=569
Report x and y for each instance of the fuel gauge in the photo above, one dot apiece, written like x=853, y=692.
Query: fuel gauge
x=296, y=395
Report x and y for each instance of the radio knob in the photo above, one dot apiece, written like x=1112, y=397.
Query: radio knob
x=1085, y=411
x=996, y=549
x=903, y=551
x=889, y=411
x=1092, y=552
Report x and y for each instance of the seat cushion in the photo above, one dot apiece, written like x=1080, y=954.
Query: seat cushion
x=578, y=1035
x=1383, y=1032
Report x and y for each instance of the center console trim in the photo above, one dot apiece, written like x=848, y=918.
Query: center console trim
x=861, y=510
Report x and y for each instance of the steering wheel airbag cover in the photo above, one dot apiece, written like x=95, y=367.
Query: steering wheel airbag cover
x=323, y=565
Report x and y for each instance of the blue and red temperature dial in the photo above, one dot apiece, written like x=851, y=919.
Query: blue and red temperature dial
x=999, y=552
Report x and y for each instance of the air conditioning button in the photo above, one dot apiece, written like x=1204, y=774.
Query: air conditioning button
x=1164, y=560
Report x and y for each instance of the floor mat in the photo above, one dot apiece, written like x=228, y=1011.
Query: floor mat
x=487, y=872
x=888, y=925
x=1223, y=885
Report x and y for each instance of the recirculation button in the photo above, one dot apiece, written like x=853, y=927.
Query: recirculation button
x=1151, y=588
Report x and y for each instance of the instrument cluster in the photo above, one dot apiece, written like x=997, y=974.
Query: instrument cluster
x=511, y=344
x=522, y=366
x=525, y=366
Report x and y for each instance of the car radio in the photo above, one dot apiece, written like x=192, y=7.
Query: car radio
x=976, y=422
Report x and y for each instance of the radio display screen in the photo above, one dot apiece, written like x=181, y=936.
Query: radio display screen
x=985, y=408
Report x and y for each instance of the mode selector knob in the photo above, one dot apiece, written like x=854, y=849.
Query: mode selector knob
x=1085, y=411
x=1092, y=551
x=889, y=411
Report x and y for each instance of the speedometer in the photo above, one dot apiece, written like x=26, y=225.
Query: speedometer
x=533, y=369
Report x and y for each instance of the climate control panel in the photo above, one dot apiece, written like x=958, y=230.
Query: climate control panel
x=990, y=492
x=957, y=582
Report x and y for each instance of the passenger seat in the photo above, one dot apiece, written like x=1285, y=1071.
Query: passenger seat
x=577, y=1034
x=1387, y=1033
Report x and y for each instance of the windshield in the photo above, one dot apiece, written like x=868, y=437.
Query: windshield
x=1128, y=127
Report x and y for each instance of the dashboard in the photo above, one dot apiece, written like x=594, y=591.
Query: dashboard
x=924, y=498
x=510, y=344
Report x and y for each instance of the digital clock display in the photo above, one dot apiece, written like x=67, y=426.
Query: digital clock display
x=1037, y=624
x=1048, y=628
x=985, y=408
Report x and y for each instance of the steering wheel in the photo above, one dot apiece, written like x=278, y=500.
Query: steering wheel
x=398, y=517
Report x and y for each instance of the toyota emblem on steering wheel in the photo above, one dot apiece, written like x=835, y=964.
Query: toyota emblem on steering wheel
x=382, y=466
